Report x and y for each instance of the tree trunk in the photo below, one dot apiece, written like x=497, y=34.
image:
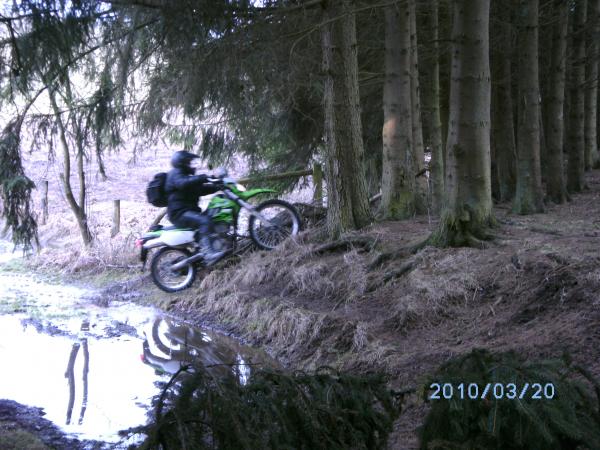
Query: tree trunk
x=398, y=181
x=576, y=166
x=78, y=210
x=348, y=203
x=529, y=196
x=432, y=96
x=467, y=210
x=503, y=128
x=44, y=202
x=555, y=175
x=417, y=127
x=101, y=168
x=592, y=158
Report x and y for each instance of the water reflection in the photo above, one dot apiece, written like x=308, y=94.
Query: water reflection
x=92, y=399
x=70, y=374
x=172, y=345
x=95, y=398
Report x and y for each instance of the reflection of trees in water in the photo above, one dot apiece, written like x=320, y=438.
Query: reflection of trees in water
x=70, y=375
x=183, y=345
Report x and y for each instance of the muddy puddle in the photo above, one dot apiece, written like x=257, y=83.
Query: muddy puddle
x=95, y=369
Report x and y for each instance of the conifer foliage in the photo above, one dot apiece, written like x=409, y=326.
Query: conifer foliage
x=570, y=419
x=15, y=188
x=324, y=410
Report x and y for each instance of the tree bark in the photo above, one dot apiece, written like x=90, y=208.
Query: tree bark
x=432, y=97
x=555, y=175
x=417, y=126
x=592, y=158
x=44, y=202
x=467, y=211
x=503, y=125
x=576, y=165
x=348, y=203
x=398, y=169
x=100, y=160
x=529, y=196
x=77, y=209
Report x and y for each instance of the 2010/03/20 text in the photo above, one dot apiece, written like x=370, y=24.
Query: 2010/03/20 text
x=498, y=391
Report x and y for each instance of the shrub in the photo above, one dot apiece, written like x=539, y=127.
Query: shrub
x=274, y=410
x=569, y=420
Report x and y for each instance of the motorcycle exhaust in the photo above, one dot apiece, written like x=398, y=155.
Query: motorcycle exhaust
x=181, y=264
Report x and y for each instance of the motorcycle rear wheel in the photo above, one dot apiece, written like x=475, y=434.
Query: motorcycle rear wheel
x=167, y=279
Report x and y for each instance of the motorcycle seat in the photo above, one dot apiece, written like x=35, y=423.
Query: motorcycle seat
x=168, y=228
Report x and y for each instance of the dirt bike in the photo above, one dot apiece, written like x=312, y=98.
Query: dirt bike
x=174, y=266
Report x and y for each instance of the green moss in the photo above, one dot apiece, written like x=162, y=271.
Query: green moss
x=17, y=265
x=13, y=437
x=525, y=202
x=402, y=206
x=99, y=279
x=10, y=306
x=466, y=227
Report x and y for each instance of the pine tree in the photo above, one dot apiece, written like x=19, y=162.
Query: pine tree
x=576, y=149
x=467, y=214
x=348, y=206
x=398, y=181
x=555, y=176
x=529, y=197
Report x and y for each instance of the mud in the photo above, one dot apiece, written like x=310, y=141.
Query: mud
x=16, y=417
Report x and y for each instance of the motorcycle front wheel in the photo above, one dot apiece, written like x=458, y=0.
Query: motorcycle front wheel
x=167, y=279
x=283, y=221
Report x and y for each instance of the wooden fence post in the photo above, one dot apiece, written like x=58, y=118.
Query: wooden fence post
x=116, y=218
x=44, y=202
x=318, y=184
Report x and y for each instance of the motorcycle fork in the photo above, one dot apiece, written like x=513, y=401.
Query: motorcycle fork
x=249, y=207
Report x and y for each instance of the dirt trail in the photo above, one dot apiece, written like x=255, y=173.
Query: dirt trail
x=535, y=289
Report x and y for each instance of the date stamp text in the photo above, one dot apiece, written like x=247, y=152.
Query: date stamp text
x=498, y=391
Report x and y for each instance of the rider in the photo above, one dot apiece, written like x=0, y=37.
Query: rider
x=184, y=189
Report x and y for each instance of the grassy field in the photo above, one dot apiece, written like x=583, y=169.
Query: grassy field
x=128, y=173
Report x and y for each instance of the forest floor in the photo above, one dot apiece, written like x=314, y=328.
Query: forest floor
x=369, y=304
x=535, y=290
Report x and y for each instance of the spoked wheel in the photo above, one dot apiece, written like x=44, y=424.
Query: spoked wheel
x=282, y=221
x=167, y=279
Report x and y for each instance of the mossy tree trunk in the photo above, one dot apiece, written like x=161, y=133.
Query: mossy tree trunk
x=592, y=158
x=529, y=196
x=555, y=174
x=576, y=148
x=503, y=128
x=417, y=125
x=398, y=181
x=467, y=213
x=432, y=98
x=347, y=198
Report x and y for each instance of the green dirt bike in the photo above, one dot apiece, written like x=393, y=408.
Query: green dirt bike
x=174, y=266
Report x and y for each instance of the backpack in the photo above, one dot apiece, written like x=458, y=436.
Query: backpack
x=155, y=192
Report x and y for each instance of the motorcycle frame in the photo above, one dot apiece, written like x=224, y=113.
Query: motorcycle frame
x=231, y=198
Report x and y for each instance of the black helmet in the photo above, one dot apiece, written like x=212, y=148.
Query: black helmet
x=182, y=160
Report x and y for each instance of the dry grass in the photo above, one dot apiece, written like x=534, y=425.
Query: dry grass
x=317, y=309
x=128, y=175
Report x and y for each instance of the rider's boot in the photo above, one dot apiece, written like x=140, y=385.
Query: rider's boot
x=209, y=255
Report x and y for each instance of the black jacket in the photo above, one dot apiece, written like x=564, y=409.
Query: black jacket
x=184, y=190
